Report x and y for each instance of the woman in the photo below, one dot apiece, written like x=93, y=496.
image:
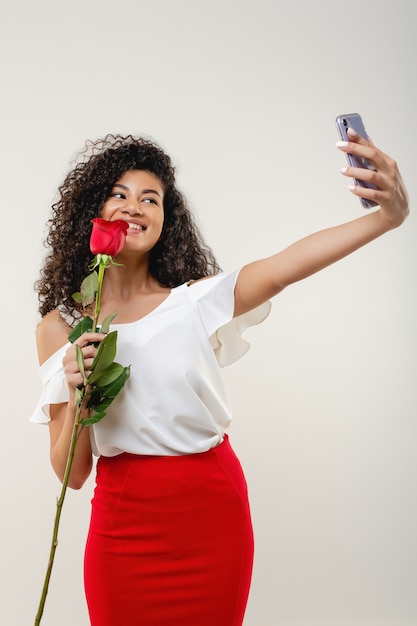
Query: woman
x=170, y=539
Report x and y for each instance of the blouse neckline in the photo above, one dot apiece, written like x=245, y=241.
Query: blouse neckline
x=151, y=312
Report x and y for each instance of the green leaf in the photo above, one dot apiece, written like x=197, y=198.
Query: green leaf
x=82, y=299
x=111, y=391
x=85, y=325
x=79, y=395
x=107, y=376
x=102, y=397
x=89, y=286
x=78, y=297
x=80, y=361
x=105, y=353
x=93, y=419
x=106, y=323
x=88, y=290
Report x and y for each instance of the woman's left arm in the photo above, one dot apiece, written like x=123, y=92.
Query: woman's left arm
x=263, y=279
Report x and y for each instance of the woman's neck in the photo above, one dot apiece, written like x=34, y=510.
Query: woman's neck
x=129, y=278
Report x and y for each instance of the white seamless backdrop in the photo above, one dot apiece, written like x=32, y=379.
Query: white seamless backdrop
x=243, y=95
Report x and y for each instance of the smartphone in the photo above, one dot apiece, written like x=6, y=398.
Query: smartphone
x=354, y=120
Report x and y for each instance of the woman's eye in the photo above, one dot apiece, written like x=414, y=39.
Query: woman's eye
x=117, y=194
x=150, y=200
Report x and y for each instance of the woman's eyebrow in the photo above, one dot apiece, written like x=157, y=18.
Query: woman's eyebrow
x=143, y=190
x=151, y=191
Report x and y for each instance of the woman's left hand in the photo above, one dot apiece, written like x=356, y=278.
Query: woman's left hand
x=390, y=192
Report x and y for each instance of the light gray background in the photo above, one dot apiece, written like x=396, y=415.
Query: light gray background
x=243, y=95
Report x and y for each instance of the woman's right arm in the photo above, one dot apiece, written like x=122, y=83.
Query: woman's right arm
x=52, y=333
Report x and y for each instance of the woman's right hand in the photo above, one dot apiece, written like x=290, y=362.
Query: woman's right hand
x=390, y=192
x=88, y=344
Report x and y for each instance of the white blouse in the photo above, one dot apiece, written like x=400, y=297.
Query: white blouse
x=174, y=401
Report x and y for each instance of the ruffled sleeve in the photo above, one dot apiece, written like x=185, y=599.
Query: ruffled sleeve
x=54, y=390
x=214, y=297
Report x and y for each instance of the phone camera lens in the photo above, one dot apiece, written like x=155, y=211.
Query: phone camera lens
x=344, y=122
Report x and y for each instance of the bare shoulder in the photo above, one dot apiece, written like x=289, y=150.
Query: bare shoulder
x=51, y=334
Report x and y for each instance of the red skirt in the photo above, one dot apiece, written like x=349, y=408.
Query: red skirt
x=170, y=541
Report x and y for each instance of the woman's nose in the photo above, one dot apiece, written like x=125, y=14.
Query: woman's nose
x=132, y=207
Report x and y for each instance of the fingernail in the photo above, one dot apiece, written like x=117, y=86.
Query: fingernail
x=351, y=187
x=343, y=170
x=341, y=144
x=352, y=132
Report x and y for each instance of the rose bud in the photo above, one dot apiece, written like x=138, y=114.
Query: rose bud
x=108, y=237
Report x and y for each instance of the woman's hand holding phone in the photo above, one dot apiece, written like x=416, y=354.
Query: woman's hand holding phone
x=377, y=178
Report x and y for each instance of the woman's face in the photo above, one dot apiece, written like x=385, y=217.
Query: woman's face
x=137, y=197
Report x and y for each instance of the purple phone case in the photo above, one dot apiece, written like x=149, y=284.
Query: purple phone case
x=354, y=120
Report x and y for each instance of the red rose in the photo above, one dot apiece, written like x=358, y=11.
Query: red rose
x=108, y=237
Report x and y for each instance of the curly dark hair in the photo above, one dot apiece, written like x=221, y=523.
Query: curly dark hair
x=179, y=255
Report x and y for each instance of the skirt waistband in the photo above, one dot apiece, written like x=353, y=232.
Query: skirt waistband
x=219, y=449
